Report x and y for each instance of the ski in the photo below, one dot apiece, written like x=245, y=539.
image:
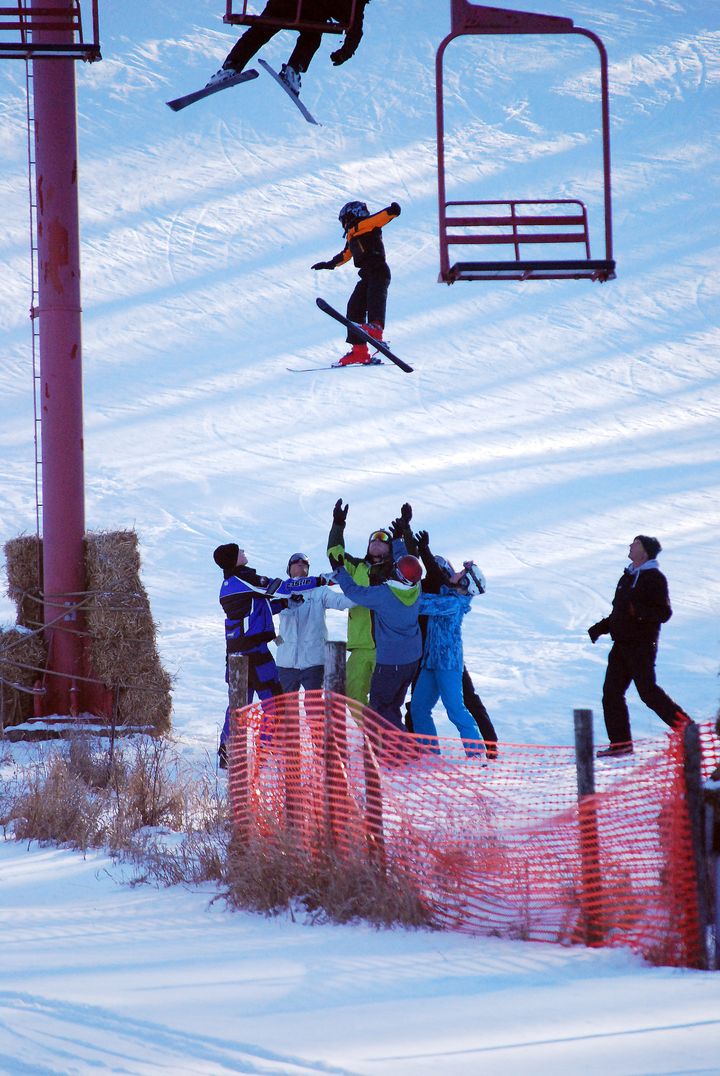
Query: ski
x=293, y=96
x=191, y=98
x=366, y=337
x=334, y=366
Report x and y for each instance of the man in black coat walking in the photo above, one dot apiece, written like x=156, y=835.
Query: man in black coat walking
x=641, y=604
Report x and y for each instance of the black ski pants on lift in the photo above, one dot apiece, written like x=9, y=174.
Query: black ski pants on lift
x=634, y=663
x=257, y=35
x=368, y=301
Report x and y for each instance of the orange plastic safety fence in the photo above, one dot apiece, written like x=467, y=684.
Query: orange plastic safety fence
x=497, y=847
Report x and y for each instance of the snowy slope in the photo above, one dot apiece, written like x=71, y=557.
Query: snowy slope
x=547, y=423
x=545, y=426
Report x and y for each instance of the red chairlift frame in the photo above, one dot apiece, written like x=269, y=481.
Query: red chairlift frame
x=26, y=20
x=468, y=18
x=246, y=18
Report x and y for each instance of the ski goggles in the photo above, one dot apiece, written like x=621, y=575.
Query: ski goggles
x=380, y=536
x=298, y=558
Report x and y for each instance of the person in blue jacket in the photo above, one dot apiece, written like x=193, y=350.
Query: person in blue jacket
x=441, y=670
x=398, y=643
x=249, y=623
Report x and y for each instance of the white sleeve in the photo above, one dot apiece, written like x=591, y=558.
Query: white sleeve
x=333, y=598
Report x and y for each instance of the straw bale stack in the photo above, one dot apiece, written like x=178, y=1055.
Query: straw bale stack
x=19, y=648
x=23, y=560
x=123, y=650
x=122, y=631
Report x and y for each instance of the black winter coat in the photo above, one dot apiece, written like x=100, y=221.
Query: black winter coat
x=641, y=604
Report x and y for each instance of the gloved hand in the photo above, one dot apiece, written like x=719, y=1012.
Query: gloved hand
x=423, y=540
x=340, y=513
x=336, y=562
x=397, y=527
x=406, y=513
x=341, y=55
x=296, y=599
x=594, y=632
x=321, y=265
x=394, y=209
x=322, y=580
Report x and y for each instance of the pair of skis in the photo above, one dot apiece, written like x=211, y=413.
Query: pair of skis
x=243, y=76
x=379, y=345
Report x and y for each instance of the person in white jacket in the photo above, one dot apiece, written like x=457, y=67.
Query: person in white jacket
x=300, y=656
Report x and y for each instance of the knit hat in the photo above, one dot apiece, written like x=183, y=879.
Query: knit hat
x=225, y=556
x=651, y=545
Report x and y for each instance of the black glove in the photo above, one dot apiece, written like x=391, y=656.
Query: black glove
x=340, y=513
x=341, y=55
x=322, y=580
x=321, y=265
x=406, y=513
x=394, y=209
x=594, y=632
x=336, y=562
x=296, y=599
x=423, y=540
x=397, y=527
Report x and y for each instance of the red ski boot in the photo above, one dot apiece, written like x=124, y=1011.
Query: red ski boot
x=358, y=355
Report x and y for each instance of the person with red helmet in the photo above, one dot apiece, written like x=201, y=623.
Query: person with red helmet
x=394, y=608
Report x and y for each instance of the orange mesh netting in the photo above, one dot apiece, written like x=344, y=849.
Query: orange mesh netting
x=497, y=847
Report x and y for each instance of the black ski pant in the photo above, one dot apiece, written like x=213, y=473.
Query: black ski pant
x=257, y=35
x=634, y=663
x=368, y=301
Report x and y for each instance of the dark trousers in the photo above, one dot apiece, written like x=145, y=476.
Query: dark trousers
x=258, y=35
x=262, y=681
x=388, y=688
x=368, y=301
x=634, y=663
x=293, y=679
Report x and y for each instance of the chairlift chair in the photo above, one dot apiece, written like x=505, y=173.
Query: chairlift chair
x=48, y=32
x=245, y=17
x=518, y=223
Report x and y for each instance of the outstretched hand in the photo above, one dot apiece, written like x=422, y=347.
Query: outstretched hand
x=406, y=513
x=321, y=265
x=423, y=540
x=336, y=562
x=340, y=513
x=594, y=633
x=341, y=55
x=397, y=527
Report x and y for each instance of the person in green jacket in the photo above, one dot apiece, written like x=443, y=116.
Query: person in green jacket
x=385, y=545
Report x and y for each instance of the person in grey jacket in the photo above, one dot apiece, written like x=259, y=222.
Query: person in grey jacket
x=300, y=656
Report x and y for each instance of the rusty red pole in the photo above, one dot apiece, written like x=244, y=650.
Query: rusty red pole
x=58, y=239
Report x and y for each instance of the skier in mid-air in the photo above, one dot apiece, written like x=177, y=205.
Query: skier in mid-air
x=364, y=244
x=307, y=44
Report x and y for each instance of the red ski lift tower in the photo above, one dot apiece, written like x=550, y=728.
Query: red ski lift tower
x=519, y=223
x=299, y=19
x=49, y=35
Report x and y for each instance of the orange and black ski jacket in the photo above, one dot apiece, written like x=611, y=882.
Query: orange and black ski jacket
x=364, y=242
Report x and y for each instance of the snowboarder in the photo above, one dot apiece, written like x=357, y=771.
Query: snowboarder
x=364, y=244
x=307, y=44
x=641, y=604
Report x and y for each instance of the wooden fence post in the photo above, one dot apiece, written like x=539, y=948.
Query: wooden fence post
x=590, y=896
x=238, y=772
x=335, y=667
x=692, y=764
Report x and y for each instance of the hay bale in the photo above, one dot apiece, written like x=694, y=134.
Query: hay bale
x=123, y=650
x=123, y=647
x=19, y=648
x=23, y=563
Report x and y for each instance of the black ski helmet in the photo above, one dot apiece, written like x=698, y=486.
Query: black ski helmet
x=351, y=213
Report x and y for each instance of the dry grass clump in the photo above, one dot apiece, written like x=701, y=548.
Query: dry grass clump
x=18, y=649
x=271, y=873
